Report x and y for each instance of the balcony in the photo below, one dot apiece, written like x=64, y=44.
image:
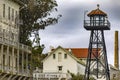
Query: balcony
x=7, y=41
x=96, y=25
x=13, y=71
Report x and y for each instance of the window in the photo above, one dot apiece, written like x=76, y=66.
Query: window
x=53, y=56
x=59, y=57
x=3, y=60
x=16, y=17
x=12, y=14
x=4, y=10
x=9, y=13
x=65, y=56
x=59, y=68
x=16, y=63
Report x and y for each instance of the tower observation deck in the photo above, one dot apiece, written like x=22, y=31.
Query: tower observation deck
x=97, y=67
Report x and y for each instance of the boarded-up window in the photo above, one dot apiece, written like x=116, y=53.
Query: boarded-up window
x=59, y=57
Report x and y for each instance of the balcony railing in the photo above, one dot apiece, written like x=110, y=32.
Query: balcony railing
x=97, y=24
x=8, y=41
x=11, y=70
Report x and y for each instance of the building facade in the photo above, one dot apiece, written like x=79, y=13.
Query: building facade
x=14, y=56
x=58, y=64
x=61, y=59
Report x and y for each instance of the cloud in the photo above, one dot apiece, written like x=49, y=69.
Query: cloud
x=69, y=32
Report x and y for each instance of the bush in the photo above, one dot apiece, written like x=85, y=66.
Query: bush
x=79, y=77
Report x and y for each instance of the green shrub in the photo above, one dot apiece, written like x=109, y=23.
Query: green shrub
x=79, y=77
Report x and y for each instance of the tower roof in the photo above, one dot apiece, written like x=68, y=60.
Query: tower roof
x=97, y=12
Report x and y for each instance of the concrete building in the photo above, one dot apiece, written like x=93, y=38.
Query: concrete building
x=14, y=56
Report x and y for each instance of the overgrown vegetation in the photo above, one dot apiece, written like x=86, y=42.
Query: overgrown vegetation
x=36, y=15
x=37, y=57
x=79, y=77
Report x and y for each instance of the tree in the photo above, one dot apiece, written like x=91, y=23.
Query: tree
x=36, y=15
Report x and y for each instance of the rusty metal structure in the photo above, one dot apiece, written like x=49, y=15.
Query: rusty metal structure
x=116, y=51
x=97, y=63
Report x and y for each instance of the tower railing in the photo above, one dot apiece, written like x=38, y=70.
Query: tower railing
x=97, y=24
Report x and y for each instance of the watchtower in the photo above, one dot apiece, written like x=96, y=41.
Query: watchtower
x=97, y=63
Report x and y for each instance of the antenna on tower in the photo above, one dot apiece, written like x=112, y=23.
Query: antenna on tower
x=98, y=6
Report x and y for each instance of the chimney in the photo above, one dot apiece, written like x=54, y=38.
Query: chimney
x=51, y=48
x=116, y=51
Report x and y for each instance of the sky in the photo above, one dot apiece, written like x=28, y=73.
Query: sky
x=69, y=31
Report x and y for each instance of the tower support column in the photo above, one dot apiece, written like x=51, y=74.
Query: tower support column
x=97, y=64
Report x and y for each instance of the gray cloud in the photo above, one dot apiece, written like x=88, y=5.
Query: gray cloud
x=69, y=32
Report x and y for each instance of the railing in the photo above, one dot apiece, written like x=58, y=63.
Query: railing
x=7, y=41
x=24, y=72
x=51, y=75
x=97, y=23
x=11, y=70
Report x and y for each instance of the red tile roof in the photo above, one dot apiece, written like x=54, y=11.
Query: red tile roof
x=81, y=52
x=97, y=12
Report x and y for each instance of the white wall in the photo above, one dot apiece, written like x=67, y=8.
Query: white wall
x=81, y=69
x=51, y=65
x=7, y=24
